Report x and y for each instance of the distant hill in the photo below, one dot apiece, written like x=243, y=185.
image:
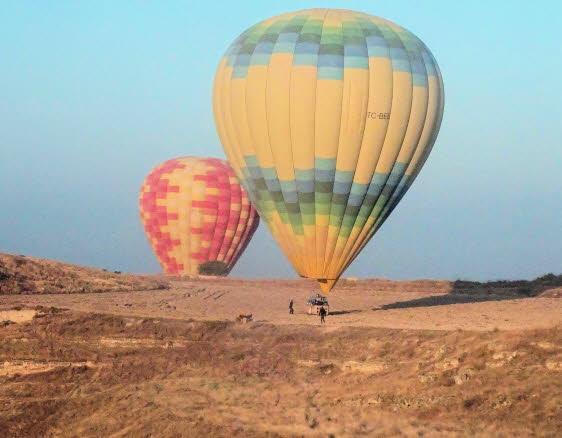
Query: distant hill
x=548, y=285
x=27, y=275
x=20, y=274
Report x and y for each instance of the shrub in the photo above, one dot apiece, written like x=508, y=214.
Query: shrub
x=550, y=279
x=213, y=267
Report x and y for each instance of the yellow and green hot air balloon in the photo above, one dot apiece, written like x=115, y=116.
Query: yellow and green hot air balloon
x=327, y=116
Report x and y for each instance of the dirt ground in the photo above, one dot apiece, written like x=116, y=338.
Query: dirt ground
x=424, y=304
x=394, y=359
x=78, y=374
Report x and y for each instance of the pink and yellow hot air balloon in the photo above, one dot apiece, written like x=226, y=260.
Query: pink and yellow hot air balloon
x=196, y=215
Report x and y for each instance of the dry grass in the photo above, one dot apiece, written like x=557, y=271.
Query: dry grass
x=139, y=377
x=135, y=363
x=28, y=275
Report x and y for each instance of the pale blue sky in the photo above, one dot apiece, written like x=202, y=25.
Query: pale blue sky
x=93, y=94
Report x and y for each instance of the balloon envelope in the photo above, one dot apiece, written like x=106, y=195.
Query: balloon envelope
x=194, y=211
x=327, y=116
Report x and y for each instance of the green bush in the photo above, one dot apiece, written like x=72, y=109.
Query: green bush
x=214, y=267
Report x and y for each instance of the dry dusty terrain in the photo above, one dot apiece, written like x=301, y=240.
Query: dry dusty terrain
x=419, y=358
x=423, y=304
x=75, y=374
x=20, y=274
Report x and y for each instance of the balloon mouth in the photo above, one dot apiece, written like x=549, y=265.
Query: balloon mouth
x=326, y=284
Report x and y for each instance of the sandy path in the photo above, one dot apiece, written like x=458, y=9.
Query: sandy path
x=17, y=316
x=410, y=306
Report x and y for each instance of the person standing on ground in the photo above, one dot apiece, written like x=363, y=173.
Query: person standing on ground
x=322, y=314
x=291, y=311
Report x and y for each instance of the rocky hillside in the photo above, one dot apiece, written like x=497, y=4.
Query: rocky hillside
x=28, y=275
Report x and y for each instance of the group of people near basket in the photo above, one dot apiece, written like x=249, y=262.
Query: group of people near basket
x=322, y=312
